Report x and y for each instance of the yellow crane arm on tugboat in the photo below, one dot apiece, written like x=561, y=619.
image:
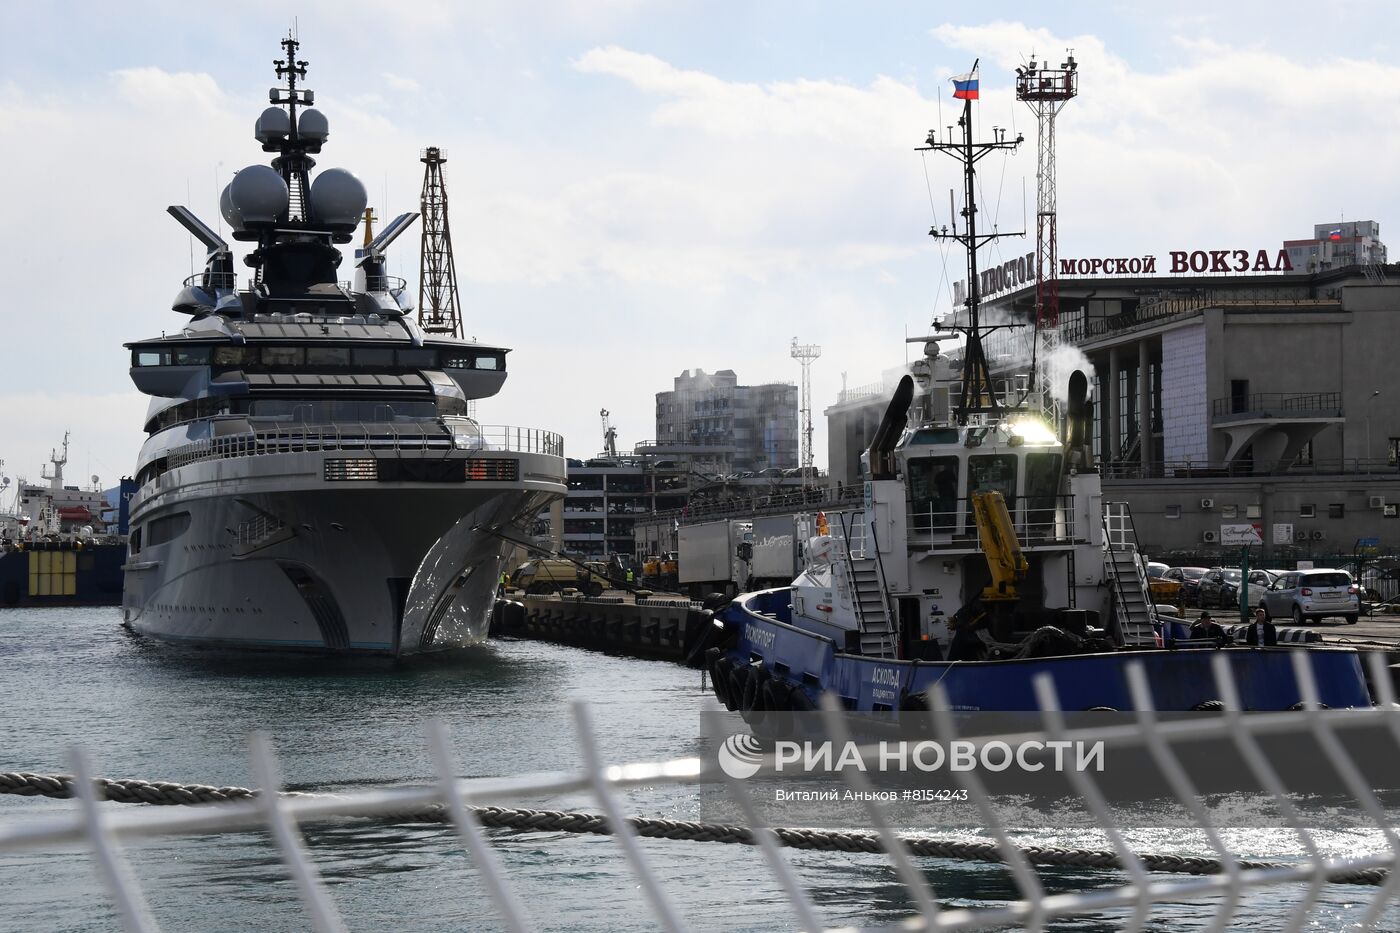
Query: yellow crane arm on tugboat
x=999, y=543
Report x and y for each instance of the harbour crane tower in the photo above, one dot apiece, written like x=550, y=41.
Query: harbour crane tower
x=805, y=353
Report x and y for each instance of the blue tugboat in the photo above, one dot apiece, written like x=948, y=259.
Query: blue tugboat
x=983, y=555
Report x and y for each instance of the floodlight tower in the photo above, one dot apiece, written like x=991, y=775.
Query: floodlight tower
x=1046, y=90
x=437, y=271
x=804, y=353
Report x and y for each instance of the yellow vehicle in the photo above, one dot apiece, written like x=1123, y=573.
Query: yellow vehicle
x=552, y=576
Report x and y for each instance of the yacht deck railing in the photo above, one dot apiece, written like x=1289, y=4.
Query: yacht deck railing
x=392, y=437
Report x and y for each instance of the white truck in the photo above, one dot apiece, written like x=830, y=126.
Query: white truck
x=778, y=541
x=715, y=557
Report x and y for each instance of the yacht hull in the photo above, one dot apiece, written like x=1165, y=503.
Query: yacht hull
x=383, y=569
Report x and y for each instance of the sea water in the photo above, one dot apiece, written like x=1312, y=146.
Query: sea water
x=147, y=710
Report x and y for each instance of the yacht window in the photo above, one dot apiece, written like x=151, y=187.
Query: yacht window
x=378, y=357
x=418, y=358
x=232, y=356
x=451, y=360
x=993, y=473
x=150, y=358
x=282, y=356
x=488, y=362
x=167, y=528
x=933, y=493
x=1042, y=490
x=327, y=356
x=192, y=356
x=340, y=411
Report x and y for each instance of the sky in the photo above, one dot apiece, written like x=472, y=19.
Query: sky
x=637, y=189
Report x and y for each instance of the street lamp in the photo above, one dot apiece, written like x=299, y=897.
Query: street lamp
x=1368, y=426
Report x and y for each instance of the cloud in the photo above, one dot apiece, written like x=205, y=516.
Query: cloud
x=400, y=83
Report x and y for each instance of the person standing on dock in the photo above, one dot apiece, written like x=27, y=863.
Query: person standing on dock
x=1261, y=631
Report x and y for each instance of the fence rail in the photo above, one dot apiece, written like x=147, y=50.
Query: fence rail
x=1295, y=402
x=105, y=833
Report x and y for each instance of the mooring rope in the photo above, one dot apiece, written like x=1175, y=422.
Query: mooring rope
x=167, y=793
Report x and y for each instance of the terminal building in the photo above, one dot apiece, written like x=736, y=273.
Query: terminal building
x=1230, y=406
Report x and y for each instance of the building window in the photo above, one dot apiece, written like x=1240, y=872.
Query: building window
x=1393, y=452
x=1172, y=511
x=1307, y=511
x=1336, y=510
x=1252, y=511
x=1305, y=456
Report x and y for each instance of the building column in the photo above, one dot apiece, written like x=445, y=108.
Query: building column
x=1114, y=446
x=1144, y=408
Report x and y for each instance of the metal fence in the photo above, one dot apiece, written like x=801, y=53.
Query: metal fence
x=1135, y=889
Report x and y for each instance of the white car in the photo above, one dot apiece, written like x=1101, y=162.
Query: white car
x=1312, y=595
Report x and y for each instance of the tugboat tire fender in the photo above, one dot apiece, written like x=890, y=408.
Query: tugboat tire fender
x=737, y=677
x=753, y=689
x=798, y=700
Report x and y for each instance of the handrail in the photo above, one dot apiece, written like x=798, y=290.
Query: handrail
x=1209, y=469
x=1277, y=401
x=851, y=572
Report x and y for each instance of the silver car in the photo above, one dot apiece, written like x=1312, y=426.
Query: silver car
x=1312, y=595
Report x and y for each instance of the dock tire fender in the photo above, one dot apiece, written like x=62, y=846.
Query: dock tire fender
x=1300, y=706
x=1213, y=706
x=10, y=597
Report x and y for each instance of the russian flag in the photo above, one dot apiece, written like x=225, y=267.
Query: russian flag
x=1336, y=234
x=965, y=86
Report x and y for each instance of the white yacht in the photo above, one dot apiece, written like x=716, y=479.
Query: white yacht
x=311, y=480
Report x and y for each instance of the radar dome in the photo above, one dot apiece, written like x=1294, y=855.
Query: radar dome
x=273, y=126
x=312, y=126
x=231, y=216
x=258, y=195
x=338, y=199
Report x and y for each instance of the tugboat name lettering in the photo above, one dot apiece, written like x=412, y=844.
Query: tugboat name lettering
x=758, y=636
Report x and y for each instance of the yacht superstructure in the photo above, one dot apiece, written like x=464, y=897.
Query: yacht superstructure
x=311, y=479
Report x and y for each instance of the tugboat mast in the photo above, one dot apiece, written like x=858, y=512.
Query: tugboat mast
x=977, y=395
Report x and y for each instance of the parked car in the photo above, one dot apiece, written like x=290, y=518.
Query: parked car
x=551, y=576
x=1311, y=595
x=1156, y=570
x=1221, y=587
x=1190, y=580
